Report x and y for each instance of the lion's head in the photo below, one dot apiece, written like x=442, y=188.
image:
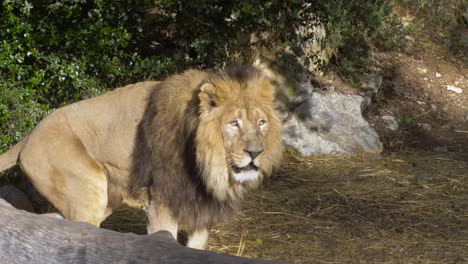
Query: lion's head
x=238, y=137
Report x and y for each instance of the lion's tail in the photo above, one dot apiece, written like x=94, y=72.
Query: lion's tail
x=10, y=158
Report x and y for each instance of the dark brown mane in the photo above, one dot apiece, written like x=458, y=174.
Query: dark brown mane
x=173, y=157
x=237, y=72
x=163, y=159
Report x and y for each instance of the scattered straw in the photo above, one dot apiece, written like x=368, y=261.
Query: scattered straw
x=406, y=208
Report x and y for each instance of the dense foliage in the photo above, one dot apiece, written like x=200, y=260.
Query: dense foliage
x=56, y=52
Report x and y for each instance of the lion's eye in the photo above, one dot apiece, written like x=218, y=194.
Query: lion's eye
x=261, y=122
x=234, y=123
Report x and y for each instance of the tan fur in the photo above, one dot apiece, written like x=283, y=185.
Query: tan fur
x=79, y=156
x=174, y=139
x=210, y=153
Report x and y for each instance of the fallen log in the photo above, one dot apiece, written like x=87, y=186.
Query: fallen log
x=31, y=238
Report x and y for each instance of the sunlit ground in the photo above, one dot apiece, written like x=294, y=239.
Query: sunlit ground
x=405, y=208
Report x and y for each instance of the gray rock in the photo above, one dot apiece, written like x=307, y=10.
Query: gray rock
x=5, y=203
x=16, y=198
x=53, y=215
x=329, y=123
x=390, y=122
x=314, y=46
x=373, y=84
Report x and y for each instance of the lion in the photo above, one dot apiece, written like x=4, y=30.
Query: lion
x=190, y=147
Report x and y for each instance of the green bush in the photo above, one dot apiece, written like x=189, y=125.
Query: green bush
x=351, y=27
x=56, y=52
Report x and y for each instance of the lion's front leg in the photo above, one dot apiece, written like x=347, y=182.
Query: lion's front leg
x=160, y=218
x=198, y=238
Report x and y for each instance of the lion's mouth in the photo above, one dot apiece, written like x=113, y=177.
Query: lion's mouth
x=250, y=167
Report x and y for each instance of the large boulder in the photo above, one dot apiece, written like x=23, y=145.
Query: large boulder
x=316, y=120
x=32, y=238
x=326, y=123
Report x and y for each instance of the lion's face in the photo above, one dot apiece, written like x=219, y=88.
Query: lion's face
x=244, y=131
x=238, y=136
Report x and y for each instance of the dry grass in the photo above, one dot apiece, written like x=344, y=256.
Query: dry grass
x=410, y=208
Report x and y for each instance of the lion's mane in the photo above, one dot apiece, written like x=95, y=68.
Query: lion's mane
x=180, y=156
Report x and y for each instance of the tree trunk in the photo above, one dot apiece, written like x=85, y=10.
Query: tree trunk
x=31, y=238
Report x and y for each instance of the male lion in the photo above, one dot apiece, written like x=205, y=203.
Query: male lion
x=190, y=146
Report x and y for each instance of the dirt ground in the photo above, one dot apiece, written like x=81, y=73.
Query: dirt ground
x=405, y=208
x=414, y=91
x=369, y=209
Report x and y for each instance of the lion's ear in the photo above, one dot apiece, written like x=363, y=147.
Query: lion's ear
x=207, y=97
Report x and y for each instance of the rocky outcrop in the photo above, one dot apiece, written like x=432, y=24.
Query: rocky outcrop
x=31, y=238
x=316, y=123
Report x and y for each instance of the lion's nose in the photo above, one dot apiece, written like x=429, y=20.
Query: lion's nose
x=253, y=152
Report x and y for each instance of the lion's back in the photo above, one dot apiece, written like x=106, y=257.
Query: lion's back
x=106, y=125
